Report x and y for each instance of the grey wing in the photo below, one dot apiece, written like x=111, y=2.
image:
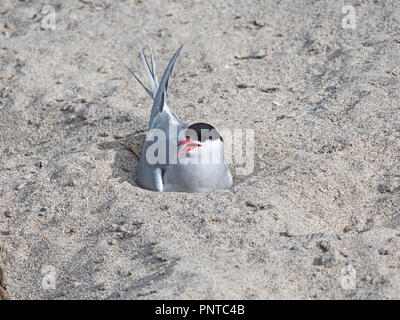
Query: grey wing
x=150, y=176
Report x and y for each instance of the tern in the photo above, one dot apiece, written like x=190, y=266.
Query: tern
x=177, y=157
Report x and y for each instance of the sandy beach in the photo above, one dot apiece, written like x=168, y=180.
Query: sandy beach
x=318, y=217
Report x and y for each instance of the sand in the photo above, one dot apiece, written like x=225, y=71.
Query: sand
x=318, y=217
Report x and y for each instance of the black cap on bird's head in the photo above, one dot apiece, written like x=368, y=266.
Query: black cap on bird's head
x=202, y=132
x=198, y=134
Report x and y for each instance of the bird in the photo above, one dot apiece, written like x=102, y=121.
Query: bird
x=177, y=157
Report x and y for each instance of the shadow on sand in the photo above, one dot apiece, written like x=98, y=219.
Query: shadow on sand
x=125, y=163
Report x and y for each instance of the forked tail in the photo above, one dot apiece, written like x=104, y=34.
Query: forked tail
x=158, y=91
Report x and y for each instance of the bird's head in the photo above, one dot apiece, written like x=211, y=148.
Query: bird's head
x=201, y=139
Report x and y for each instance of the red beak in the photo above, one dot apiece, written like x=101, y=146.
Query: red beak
x=190, y=145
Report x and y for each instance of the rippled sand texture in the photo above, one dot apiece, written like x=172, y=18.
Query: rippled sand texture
x=318, y=218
